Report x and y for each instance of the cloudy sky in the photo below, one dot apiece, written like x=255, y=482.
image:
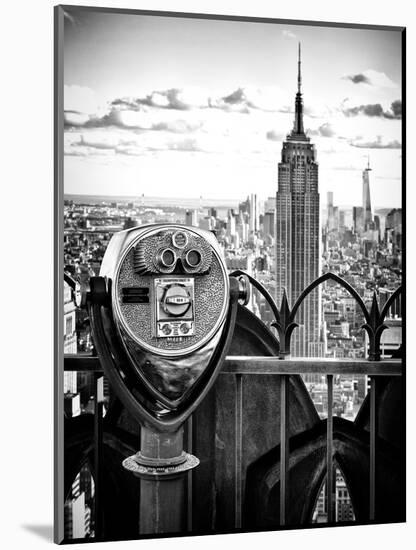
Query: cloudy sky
x=187, y=107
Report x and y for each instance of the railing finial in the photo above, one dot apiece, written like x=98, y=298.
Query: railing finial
x=374, y=328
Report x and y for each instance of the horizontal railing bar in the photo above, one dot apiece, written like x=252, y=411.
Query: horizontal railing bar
x=273, y=365
x=235, y=364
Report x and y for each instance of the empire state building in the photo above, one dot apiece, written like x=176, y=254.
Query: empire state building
x=297, y=231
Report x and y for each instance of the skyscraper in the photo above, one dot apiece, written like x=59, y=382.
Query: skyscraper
x=297, y=229
x=332, y=213
x=254, y=213
x=366, y=197
x=358, y=219
x=191, y=217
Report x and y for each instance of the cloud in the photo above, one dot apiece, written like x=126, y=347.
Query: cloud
x=379, y=79
x=395, y=110
x=373, y=78
x=241, y=99
x=113, y=141
x=156, y=110
x=75, y=118
x=238, y=122
x=346, y=167
x=102, y=143
x=177, y=126
x=73, y=151
x=245, y=99
x=289, y=34
x=376, y=110
x=358, y=78
x=80, y=99
x=130, y=150
x=236, y=101
x=189, y=98
x=396, y=107
x=187, y=144
x=123, y=118
x=98, y=140
x=376, y=144
x=325, y=130
x=136, y=120
x=173, y=98
x=143, y=120
x=273, y=135
x=238, y=96
x=79, y=145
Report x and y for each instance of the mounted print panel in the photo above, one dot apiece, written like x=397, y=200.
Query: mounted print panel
x=229, y=265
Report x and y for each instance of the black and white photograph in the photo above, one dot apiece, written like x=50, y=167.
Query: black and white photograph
x=229, y=229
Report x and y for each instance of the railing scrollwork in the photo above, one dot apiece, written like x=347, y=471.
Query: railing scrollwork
x=285, y=317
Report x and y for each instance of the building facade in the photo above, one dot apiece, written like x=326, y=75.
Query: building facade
x=368, y=218
x=297, y=229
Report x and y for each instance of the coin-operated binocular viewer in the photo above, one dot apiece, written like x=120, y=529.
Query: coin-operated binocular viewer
x=162, y=314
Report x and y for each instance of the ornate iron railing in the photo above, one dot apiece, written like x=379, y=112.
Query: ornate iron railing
x=283, y=366
x=285, y=322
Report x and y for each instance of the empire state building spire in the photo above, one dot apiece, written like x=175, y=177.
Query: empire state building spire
x=297, y=232
x=298, y=131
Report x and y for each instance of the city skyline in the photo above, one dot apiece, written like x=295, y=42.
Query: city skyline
x=210, y=119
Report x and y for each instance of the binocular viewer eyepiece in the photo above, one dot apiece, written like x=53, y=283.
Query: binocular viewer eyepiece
x=179, y=251
x=162, y=313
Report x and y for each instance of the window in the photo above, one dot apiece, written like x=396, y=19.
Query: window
x=68, y=326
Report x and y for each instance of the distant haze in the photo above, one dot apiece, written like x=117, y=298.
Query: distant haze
x=188, y=203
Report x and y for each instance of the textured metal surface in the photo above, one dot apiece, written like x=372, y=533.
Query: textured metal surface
x=211, y=300
x=153, y=472
x=298, y=365
x=172, y=377
x=147, y=252
x=137, y=393
x=237, y=364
